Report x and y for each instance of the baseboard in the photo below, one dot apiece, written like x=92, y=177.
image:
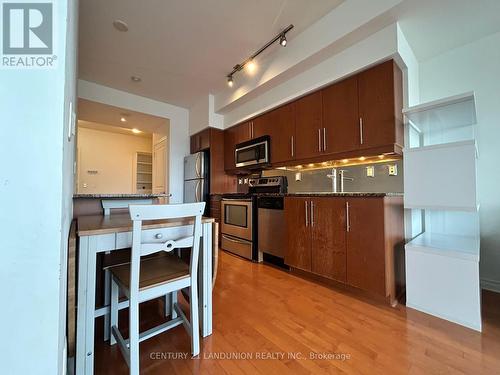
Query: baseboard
x=489, y=284
x=471, y=325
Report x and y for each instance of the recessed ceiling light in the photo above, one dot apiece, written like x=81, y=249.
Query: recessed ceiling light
x=120, y=25
x=123, y=119
x=136, y=79
x=136, y=131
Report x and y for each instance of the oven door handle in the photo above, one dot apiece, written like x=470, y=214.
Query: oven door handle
x=235, y=240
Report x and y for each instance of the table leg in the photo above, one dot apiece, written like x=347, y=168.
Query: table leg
x=90, y=305
x=82, y=301
x=205, y=265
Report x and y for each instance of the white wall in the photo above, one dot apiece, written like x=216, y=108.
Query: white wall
x=36, y=206
x=112, y=155
x=179, y=126
x=476, y=67
x=202, y=114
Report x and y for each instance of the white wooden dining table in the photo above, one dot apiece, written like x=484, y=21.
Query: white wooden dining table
x=98, y=234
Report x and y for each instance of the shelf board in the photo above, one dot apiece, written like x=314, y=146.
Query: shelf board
x=144, y=182
x=464, y=247
x=438, y=115
x=144, y=163
x=139, y=172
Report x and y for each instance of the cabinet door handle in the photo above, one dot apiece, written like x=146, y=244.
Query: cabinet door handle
x=347, y=217
x=319, y=140
x=312, y=214
x=361, y=130
x=307, y=209
x=324, y=139
x=292, y=146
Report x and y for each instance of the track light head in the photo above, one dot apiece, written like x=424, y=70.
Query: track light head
x=230, y=81
x=283, y=40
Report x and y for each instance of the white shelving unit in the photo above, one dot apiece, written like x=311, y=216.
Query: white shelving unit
x=143, y=176
x=442, y=260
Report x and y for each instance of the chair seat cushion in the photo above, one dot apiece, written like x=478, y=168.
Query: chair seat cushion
x=154, y=271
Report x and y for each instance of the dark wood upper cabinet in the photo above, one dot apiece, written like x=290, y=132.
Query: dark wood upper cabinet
x=380, y=104
x=308, y=126
x=200, y=141
x=279, y=124
x=298, y=249
x=328, y=228
x=233, y=136
x=358, y=116
x=341, y=117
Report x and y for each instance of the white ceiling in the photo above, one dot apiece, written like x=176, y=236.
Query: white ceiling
x=112, y=129
x=182, y=49
x=107, y=115
x=435, y=26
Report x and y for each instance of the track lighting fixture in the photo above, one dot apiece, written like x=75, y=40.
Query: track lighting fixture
x=249, y=63
x=283, y=40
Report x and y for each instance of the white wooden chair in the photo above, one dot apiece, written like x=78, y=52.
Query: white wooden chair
x=151, y=278
x=116, y=257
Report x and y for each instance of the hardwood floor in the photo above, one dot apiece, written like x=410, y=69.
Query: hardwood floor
x=261, y=311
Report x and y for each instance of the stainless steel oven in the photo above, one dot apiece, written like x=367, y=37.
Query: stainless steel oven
x=237, y=226
x=253, y=154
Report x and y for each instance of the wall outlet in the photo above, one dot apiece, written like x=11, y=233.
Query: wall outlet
x=393, y=169
x=370, y=171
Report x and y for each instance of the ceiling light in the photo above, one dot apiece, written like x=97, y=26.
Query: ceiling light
x=283, y=40
x=123, y=119
x=362, y=158
x=250, y=66
x=381, y=156
x=345, y=161
x=136, y=131
x=230, y=81
x=136, y=79
x=120, y=25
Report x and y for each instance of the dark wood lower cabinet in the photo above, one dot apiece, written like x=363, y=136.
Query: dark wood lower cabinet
x=352, y=240
x=328, y=238
x=366, y=250
x=298, y=251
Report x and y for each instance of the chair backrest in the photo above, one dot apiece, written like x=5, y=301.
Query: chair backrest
x=109, y=204
x=189, y=212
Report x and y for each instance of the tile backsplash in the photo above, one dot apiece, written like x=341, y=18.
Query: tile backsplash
x=317, y=180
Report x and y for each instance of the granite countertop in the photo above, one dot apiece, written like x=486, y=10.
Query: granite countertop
x=121, y=196
x=331, y=194
x=346, y=194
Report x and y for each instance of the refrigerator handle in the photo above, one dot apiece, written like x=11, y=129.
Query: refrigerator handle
x=197, y=194
x=197, y=165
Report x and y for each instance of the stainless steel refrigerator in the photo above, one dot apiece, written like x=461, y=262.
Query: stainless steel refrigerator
x=196, y=173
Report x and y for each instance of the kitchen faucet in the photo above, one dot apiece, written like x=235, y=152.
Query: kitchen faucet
x=342, y=179
x=341, y=174
x=333, y=176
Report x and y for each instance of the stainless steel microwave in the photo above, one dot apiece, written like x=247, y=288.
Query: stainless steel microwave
x=254, y=153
